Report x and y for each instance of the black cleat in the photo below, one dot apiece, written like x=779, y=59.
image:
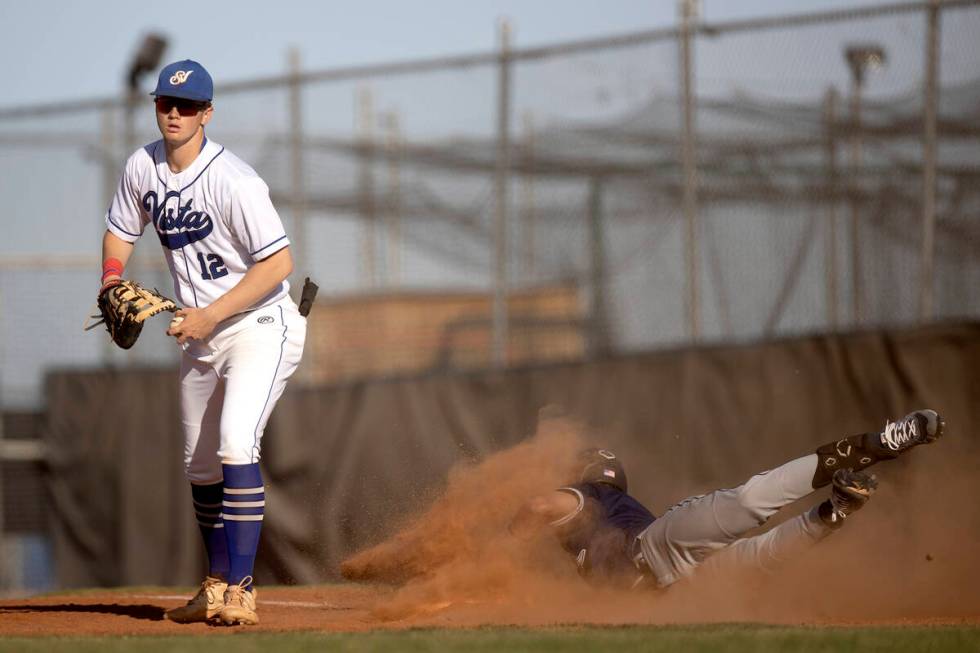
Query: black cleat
x=918, y=427
x=851, y=490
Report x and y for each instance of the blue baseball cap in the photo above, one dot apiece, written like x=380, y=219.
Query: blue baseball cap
x=185, y=79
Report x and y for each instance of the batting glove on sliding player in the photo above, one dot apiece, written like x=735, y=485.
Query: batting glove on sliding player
x=124, y=306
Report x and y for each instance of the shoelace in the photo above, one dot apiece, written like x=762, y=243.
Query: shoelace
x=207, y=591
x=841, y=503
x=897, y=434
x=238, y=590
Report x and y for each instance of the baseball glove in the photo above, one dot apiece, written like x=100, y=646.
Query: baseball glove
x=124, y=306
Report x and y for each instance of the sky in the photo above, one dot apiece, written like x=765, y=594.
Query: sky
x=73, y=49
x=57, y=51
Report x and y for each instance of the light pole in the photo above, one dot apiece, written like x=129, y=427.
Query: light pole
x=930, y=109
x=146, y=60
x=690, y=10
x=860, y=59
x=500, y=312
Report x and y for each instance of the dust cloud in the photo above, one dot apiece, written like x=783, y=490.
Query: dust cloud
x=910, y=555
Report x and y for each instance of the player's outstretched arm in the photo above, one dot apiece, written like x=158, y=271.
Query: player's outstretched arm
x=114, y=247
x=542, y=510
x=258, y=282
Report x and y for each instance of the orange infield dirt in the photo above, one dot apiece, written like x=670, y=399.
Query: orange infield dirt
x=907, y=558
x=351, y=609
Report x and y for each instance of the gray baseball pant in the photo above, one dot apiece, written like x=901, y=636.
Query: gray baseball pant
x=708, y=529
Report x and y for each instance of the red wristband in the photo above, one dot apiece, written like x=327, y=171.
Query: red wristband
x=111, y=266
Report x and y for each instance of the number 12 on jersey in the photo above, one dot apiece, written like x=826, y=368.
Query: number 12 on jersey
x=213, y=267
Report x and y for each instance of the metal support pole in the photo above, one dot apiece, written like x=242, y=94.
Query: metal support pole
x=129, y=127
x=393, y=213
x=110, y=179
x=500, y=317
x=857, y=299
x=599, y=336
x=527, y=199
x=929, y=110
x=365, y=113
x=298, y=240
x=830, y=117
x=111, y=354
x=688, y=155
x=110, y=176
x=3, y=531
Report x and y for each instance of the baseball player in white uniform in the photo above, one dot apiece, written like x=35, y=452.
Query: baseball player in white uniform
x=242, y=335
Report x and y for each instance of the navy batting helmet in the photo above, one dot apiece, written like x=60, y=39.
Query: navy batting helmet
x=602, y=466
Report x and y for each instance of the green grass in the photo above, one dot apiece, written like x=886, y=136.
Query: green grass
x=686, y=639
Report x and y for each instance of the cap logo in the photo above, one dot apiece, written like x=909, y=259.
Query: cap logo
x=608, y=472
x=180, y=77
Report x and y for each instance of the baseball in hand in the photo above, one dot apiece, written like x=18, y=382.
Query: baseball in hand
x=174, y=323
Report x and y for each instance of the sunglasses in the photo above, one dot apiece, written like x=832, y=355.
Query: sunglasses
x=186, y=108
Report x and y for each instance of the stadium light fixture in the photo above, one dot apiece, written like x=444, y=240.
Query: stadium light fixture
x=863, y=57
x=146, y=60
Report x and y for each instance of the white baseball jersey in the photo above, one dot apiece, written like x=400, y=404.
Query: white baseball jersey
x=214, y=219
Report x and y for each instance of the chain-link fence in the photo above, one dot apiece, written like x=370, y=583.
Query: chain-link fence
x=706, y=183
x=796, y=198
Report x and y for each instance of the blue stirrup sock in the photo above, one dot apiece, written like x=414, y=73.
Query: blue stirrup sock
x=243, y=507
x=207, y=507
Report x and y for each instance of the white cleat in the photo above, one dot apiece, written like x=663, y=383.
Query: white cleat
x=205, y=605
x=239, y=607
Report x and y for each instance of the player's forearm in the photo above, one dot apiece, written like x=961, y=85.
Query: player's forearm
x=258, y=282
x=541, y=511
x=115, y=247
